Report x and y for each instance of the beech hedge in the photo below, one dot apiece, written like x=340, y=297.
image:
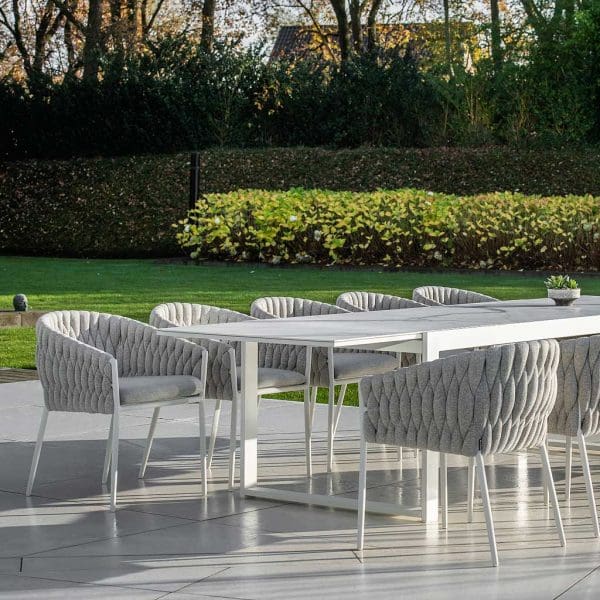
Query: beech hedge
x=400, y=228
x=121, y=207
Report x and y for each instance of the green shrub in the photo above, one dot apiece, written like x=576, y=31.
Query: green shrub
x=122, y=207
x=402, y=228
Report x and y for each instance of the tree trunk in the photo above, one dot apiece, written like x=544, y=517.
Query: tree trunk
x=339, y=8
x=133, y=26
x=447, y=39
x=92, y=49
x=208, y=25
x=496, y=36
x=372, y=24
x=355, y=25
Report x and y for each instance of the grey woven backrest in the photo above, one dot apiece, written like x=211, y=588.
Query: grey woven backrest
x=493, y=400
x=281, y=307
x=179, y=314
x=74, y=352
x=284, y=356
x=578, y=398
x=221, y=361
x=370, y=301
x=435, y=295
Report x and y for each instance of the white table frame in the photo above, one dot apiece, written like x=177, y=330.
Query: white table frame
x=428, y=344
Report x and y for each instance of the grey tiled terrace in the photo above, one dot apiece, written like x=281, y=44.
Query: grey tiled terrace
x=165, y=541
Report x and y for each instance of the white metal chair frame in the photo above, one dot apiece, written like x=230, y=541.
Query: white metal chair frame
x=111, y=458
x=235, y=407
x=479, y=469
x=335, y=401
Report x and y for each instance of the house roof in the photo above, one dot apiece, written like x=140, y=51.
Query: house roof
x=299, y=41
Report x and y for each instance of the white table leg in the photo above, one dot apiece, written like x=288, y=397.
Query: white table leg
x=249, y=429
x=430, y=461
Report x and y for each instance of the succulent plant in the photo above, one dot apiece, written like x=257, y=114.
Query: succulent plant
x=561, y=282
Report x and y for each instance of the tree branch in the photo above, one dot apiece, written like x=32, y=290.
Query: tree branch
x=150, y=23
x=68, y=13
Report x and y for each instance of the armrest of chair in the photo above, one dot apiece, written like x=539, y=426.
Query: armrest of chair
x=75, y=377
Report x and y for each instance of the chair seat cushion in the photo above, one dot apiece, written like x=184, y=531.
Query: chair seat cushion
x=138, y=390
x=278, y=378
x=354, y=365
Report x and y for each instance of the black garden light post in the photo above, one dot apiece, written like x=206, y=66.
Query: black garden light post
x=194, y=178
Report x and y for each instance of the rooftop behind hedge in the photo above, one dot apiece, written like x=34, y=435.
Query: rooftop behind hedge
x=125, y=206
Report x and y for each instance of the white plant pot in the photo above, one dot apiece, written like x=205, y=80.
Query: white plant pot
x=564, y=297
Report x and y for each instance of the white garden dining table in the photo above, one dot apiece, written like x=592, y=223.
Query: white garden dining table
x=425, y=331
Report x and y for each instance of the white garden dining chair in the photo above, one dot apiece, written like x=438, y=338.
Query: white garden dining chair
x=223, y=375
x=369, y=301
x=436, y=295
x=576, y=414
x=329, y=368
x=477, y=404
x=105, y=364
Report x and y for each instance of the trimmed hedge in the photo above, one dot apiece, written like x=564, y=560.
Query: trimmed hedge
x=93, y=208
x=125, y=207
x=403, y=228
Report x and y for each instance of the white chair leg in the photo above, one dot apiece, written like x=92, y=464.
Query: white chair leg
x=330, y=424
x=203, y=457
x=308, y=431
x=399, y=454
x=114, y=462
x=213, y=432
x=444, y=488
x=362, y=493
x=552, y=493
x=148, y=445
x=487, y=509
x=106, y=467
x=545, y=486
x=470, y=488
x=340, y=403
x=233, y=439
x=568, y=467
x=37, y=451
x=313, y=403
x=587, y=475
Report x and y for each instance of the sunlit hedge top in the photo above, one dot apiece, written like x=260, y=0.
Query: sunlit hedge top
x=397, y=228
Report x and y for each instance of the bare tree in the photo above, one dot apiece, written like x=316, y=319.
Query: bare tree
x=31, y=26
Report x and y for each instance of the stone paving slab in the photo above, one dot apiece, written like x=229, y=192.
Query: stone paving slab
x=166, y=541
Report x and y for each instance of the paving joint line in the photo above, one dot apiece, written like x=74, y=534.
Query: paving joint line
x=234, y=514
x=577, y=582
x=88, y=584
x=104, y=539
x=202, y=579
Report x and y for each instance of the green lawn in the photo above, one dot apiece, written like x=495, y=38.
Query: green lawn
x=133, y=287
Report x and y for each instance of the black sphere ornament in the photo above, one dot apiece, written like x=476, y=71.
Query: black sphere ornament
x=20, y=303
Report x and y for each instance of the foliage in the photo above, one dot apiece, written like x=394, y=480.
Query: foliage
x=561, y=282
x=177, y=97
x=109, y=207
x=58, y=208
x=402, y=228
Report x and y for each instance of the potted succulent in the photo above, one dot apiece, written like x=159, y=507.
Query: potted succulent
x=562, y=289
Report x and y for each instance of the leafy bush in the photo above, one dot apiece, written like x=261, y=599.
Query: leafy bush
x=176, y=97
x=126, y=206
x=402, y=228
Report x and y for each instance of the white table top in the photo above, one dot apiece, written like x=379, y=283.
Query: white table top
x=352, y=329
